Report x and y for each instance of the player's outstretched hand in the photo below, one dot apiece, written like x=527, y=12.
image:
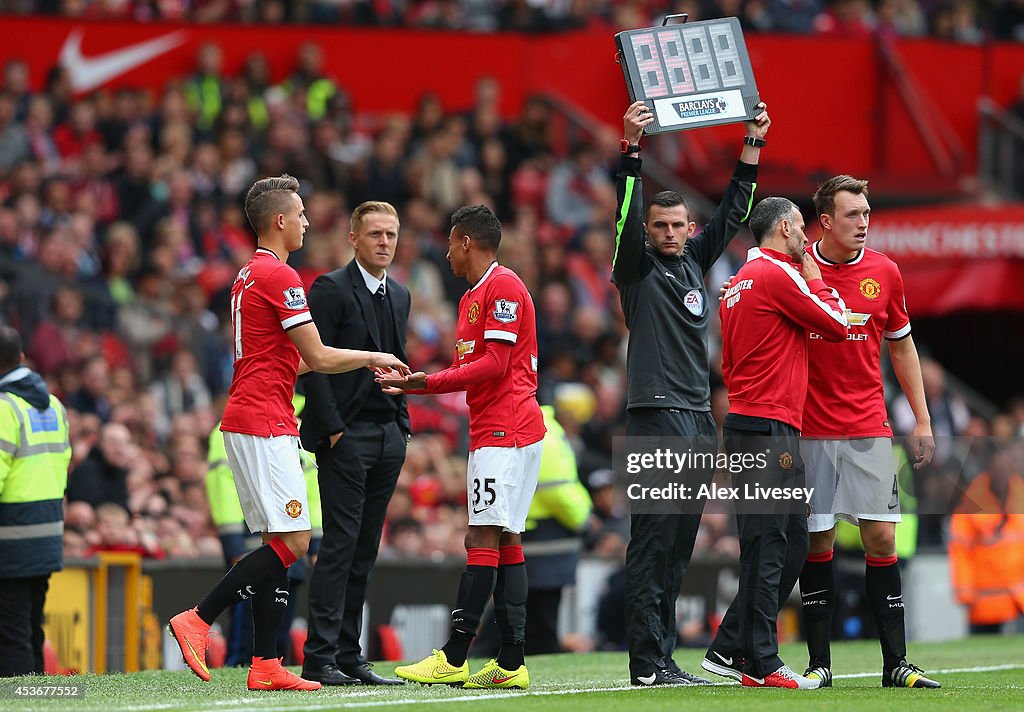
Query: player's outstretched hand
x=758, y=126
x=636, y=118
x=725, y=287
x=379, y=361
x=395, y=384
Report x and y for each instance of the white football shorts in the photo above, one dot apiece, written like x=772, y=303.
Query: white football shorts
x=268, y=477
x=501, y=482
x=852, y=480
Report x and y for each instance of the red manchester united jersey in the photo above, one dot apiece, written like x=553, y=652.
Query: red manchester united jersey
x=845, y=398
x=267, y=299
x=766, y=315
x=503, y=412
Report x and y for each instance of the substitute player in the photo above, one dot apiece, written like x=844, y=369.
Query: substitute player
x=847, y=442
x=496, y=364
x=272, y=328
x=776, y=300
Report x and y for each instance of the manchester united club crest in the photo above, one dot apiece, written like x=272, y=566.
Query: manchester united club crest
x=474, y=312
x=293, y=509
x=786, y=461
x=870, y=288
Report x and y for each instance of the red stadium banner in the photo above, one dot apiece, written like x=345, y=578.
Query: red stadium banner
x=387, y=70
x=955, y=258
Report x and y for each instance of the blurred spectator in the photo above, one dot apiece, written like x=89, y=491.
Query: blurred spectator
x=575, y=188
x=949, y=412
x=182, y=390
x=204, y=90
x=308, y=82
x=102, y=477
x=91, y=397
x=14, y=139
x=55, y=342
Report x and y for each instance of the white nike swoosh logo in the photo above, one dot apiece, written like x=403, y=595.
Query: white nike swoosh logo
x=647, y=680
x=812, y=593
x=88, y=73
x=758, y=680
x=727, y=661
x=894, y=598
x=277, y=590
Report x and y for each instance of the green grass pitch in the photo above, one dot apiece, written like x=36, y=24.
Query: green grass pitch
x=979, y=673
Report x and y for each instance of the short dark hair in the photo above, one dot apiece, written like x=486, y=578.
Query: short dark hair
x=825, y=196
x=666, y=199
x=10, y=348
x=269, y=197
x=480, y=223
x=767, y=214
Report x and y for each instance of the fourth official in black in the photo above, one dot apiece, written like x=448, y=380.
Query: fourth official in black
x=658, y=268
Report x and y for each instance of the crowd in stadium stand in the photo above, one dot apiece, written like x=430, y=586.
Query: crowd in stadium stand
x=121, y=232
x=952, y=20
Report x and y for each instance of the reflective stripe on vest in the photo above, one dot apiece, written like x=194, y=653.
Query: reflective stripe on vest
x=32, y=531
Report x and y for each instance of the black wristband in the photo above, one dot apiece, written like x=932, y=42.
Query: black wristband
x=754, y=141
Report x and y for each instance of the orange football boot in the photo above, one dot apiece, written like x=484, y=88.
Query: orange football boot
x=190, y=631
x=269, y=674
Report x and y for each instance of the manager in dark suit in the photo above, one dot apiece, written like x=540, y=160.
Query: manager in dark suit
x=359, y=435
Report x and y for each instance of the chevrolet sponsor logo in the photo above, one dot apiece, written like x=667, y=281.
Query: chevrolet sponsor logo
x=465, y=347
x=856, y=319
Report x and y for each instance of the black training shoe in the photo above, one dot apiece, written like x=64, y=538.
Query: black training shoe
x=730, y=666
x=664, y=676
x=689, y=679
x=907, y=675
x=820, y=672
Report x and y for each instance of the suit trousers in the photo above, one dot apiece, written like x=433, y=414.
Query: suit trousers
x=357, y=478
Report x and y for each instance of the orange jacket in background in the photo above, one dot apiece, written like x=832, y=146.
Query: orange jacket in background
x=986, y=551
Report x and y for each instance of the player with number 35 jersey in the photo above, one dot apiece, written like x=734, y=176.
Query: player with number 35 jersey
x=495, y=362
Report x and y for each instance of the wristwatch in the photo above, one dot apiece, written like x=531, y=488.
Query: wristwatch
x=754, y=141
x=625, y=147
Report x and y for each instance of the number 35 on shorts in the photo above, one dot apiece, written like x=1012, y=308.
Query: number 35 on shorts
x=484, y=493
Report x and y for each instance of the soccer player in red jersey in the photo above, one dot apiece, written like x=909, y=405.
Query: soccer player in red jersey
x=274, y=338
x=847, y=442
x=496, y=364
x=776, y=299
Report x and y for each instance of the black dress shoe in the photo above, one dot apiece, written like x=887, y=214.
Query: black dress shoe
x=328, y=675
x=365, y=675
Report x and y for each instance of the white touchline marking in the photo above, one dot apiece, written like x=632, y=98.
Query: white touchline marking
x=311, y=702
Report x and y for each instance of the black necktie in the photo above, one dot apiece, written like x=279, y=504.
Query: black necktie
x=380, y=292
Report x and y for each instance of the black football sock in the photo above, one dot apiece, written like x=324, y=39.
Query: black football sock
x=241, y=582
x=818, y=601
x=884, y=590
x=475, y=588
x=510, y=593
x=268, y=607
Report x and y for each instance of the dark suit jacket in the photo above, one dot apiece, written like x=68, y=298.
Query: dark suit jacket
x=344, y=315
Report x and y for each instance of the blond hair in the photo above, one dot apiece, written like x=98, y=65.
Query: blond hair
x=369, y=207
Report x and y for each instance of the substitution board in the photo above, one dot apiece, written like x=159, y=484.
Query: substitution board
x=691, y=75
